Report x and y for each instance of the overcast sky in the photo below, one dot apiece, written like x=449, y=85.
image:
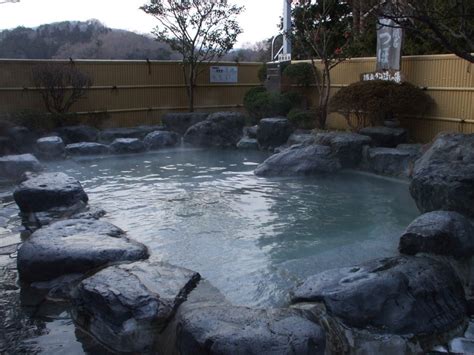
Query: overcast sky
x=259, y=21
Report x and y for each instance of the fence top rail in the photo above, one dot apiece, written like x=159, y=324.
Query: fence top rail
x=119, y=61
x=405, y=57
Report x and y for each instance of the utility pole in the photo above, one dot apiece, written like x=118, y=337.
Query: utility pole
x=287, y=28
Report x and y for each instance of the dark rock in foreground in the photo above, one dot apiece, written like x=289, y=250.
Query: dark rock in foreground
x=273, y=132
x=400, y=295
x=74, y=246
x=443, y=178
x=161, y=139
x=439, y=232
x=179, y=122
x=50, y=147
x=77, y=134
x=126, y=306
x=299, y=160
x=87, y=148
x=385, y=136
x=127, y=145
x=220, y=129
x=347, y=147
x=228, y=329
x=45, y=191
x=248, y=143
x=14, y=166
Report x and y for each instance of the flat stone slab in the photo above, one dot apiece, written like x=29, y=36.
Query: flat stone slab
x=346, y=146
x=385, y=136
x=14, y=166
x=87, y=148
x=161, y=139
x=300, y=160
x=45, y=191
x=74, y=246
x=391, y=161
x=248, y=143
x=127, y=145
x=439, y=232
x=226, y=329
x=399, y=295
x=179, y=122
x=126, y=306
x=273, y=132
x=50, y=147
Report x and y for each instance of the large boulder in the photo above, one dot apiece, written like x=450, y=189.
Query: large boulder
x=400, y=295
x=161, y=139
x=346, y=146
x=300, y=138
x=248, y=143
x=126, y=306
x=439, y=232
x=50, y=147
x=14, y=166
x=220, y=129
x=300, y=160
x=226, y=329
x=273, y=132
x=87, y=148
x=391, y=161
x=77, y=134
x=443, y=177
x=179, y=122
x=74, y=246
x=139, y=132
x=48, y=190
x=385, y=136
x=127, y=145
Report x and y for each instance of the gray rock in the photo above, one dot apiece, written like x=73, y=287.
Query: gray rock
x=400, y=295
x=240, y=330
x=300, y=138
x=385, y=136
x=87, y=148
x=74, y=246
x=45, y=191
x=77, y=134
x=251, y=132
x=111, y=134
x=299, y=160
x=273, y=132
x=416, y=149
x=127, y=145
x=443, y=177
x=50, y=147
x=346, y=146
x=220, y=129
x=179, y=122
x=439, y=232
x=391, y=161
x=23, y=138
x=126, y=306
x=248, y=143
x=161, y=139
x=14, y=166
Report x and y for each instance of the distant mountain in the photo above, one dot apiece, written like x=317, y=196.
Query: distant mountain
x=80, y=40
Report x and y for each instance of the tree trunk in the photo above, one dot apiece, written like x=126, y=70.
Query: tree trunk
x=324, y=97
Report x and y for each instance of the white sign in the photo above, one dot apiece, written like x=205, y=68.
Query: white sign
x=395, y=76
x=284, y=57
x=221, y=74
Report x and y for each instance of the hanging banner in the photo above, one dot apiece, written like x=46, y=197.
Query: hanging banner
x=389, y=45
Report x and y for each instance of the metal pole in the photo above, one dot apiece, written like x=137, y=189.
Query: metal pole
x=286, y=26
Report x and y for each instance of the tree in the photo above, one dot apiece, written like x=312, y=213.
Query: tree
x=60, y=85
x=446, y=23
x=322, y=30
x=201, y=31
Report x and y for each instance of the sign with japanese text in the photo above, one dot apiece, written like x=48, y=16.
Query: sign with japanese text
x=389, y=45
x=224, y=74
x=387, y=75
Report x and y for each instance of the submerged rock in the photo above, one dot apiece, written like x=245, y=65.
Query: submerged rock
x=273, y=132
x=127, y=145
x=220, y=129
x=126, y=306
x=439, y=232
x=45, y=191
x=300, y=160
x=443, y=177
x=385, y=136
x=346, y=146
x=229, y=329
x=400, y=295
x=179, y=122
x=50, y=147
x=248, y=143
x=14, y=166
x=161, y=139
x=87, y=148
x=74, y=246
x=77, y=134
